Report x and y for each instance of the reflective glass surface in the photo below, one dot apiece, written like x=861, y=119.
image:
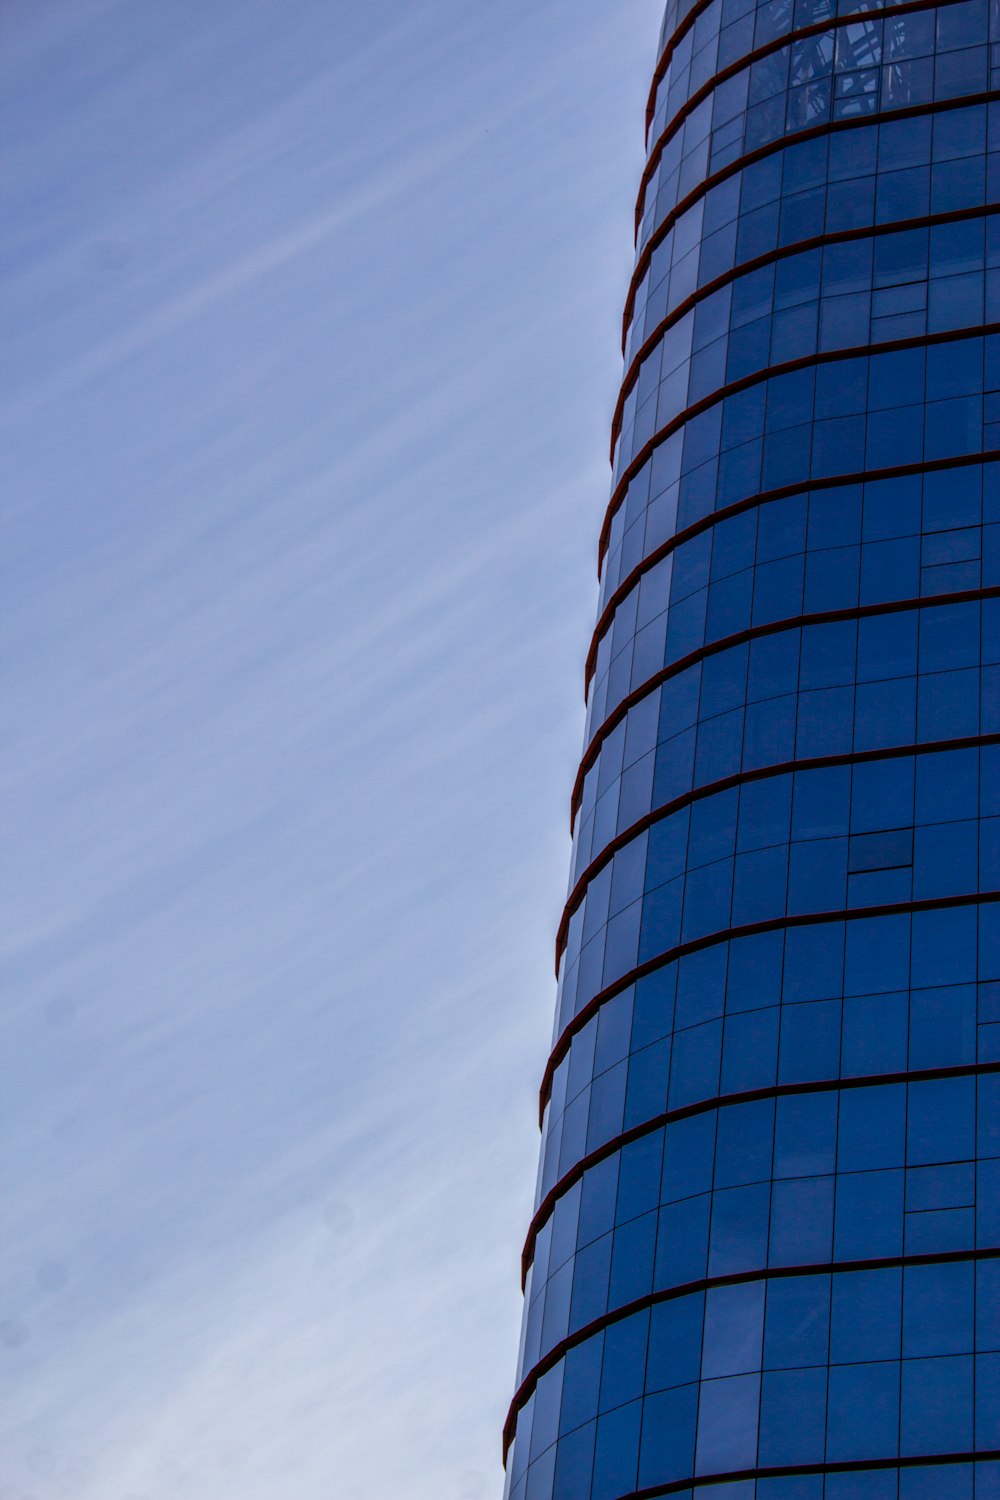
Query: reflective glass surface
x=764, y=1259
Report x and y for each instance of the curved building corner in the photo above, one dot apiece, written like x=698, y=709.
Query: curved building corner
x=763, y=1263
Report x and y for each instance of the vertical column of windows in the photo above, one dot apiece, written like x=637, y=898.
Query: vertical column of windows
x=764, y=1260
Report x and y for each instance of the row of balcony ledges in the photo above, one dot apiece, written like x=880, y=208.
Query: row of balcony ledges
x=772, y=924
x=726, y=513
x=859, y=19
x=711, y=1283
x=758, y=377
x=680, y=29
x=761, y=153
x=775, y=257
x=743, y=778
x=727, y=1101
x=712, y=648
x=705, y=1483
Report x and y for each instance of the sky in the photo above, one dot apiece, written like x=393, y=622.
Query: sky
x=310, y=318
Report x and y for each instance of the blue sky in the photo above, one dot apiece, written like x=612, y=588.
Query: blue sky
x=310, y=318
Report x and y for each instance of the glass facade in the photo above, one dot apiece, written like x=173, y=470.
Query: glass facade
x=763, y=1263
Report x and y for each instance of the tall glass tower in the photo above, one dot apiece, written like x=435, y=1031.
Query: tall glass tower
x=763, y=1263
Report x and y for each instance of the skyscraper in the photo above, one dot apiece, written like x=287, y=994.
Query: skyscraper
x=763, y=1262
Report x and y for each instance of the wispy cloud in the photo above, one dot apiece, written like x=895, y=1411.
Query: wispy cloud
x=311, y=316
